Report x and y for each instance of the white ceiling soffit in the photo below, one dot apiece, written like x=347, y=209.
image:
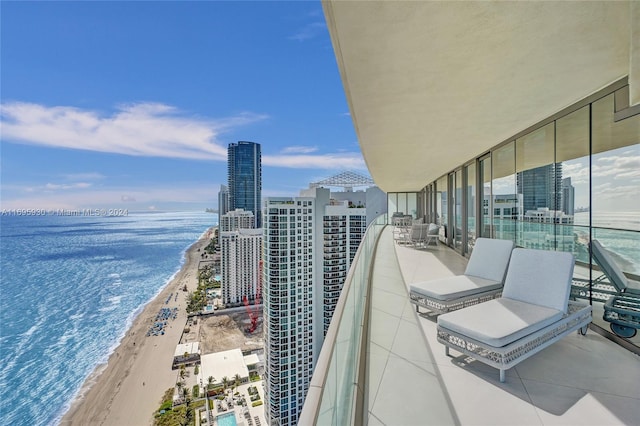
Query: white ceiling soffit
x=433, y=84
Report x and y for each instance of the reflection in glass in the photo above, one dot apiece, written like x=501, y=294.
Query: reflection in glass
x=470, y=172
x=572, y=155
x=507, y=203
x=485, y=196
x=457, y=229
x=441, y=203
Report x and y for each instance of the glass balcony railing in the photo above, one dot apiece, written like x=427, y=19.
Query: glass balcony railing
x=335, y=387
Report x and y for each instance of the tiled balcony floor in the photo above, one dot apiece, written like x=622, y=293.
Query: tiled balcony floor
x=580, y=380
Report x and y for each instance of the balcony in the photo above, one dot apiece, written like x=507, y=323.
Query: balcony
x=383, y=365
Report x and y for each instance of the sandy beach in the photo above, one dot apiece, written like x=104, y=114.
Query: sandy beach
x=128, y=389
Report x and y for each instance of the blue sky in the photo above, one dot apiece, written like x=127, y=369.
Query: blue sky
x=133, y=104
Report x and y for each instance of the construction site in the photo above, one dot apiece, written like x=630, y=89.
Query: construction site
x=226, y=329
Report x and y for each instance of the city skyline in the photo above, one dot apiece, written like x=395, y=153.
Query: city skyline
x=133, y=104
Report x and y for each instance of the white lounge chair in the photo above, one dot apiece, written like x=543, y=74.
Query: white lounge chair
x=623, y=309
x=533, y=312
x=482, y=280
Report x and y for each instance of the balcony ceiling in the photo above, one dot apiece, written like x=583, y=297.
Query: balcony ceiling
x=433, y=84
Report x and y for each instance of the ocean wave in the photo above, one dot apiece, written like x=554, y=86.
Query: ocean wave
x=87, y=296
x=78, y=316
x=115, y=299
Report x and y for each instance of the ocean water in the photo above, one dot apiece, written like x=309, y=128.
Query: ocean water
x=71, y=287
x=618, y=232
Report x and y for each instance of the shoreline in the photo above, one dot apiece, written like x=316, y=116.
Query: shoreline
x=128, y=387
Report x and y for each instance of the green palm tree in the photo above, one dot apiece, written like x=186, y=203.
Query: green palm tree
x=237, y=380
x=179, y=386
x=210, y=380
x=225, y=382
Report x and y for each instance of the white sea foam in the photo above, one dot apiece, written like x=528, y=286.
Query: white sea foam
x=115, y=300
x=79, y=307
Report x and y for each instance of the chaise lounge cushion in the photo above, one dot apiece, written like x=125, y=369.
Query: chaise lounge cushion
x=499, y=322
x=490, y=259
x=485, y=272
x=540, y=277
x=451, y=288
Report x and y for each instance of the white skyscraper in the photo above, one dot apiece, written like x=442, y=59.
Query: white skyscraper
x=237, y=219
x=241, y=255
x=240, y=263
x=309, y=243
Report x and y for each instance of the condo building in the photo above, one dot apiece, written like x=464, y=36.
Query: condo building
x=309, y=243
x=241, y=253
x=244, y=163
x=237, y=219
x=223, y=200
x=494, y=120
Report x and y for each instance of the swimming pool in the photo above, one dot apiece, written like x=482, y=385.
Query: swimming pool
x=228, y=419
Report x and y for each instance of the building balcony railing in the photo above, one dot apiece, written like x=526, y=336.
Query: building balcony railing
x=382, y=363
x=335, y=388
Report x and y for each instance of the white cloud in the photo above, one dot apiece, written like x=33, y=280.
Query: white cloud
x=578, y=172
x=326, y=161
x=617, y=166
x=137, y=197
x=309, y=31
x=84, y=176
x=66, y=186
x=608, y=191
x=299, y=149
x=147, y=129
x=142, y=129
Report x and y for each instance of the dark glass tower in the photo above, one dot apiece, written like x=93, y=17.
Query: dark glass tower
x=541, y=187
x=245, y=178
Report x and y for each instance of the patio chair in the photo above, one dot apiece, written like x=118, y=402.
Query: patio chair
x=622, y=310
x=433, y=234
x=417, y=234
x=533, y=312
x=481, y=281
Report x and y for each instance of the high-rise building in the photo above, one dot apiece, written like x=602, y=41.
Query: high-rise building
x=223, y=200
x=568, y=197
x=309, y=244
x=245, y=178
x=241, y=251
x=540, y=187
x=237, y=219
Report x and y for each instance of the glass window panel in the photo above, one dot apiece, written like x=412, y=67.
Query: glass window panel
x=538, y=188
x=535, y=149
x=392, y=198
x=607, y=134
x=572, y=156
x=572, y=136
x=412, y=204
x=486, y=197
x=402, y=203
x=504, y=192
x=615, y=190
x=470, y=192
x=441, y=201
x=457, y=228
